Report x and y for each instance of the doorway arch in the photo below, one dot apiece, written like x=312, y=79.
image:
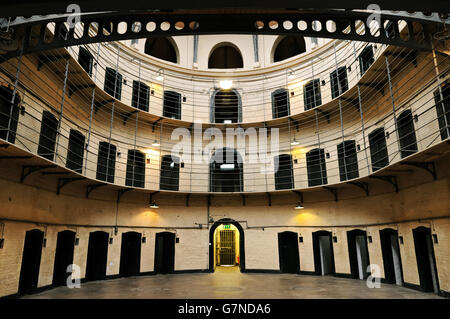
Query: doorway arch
x=227, y=221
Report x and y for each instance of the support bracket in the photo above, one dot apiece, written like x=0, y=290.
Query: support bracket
x=377, y=86
x=90, y=188
x=333, y=191
x=75, y=88
x=269, y=197
x=363, y=186
x=30, y=169
x=98, y=105
x=122, y=192
x=42, y=62
x=155, y=123
x=409, y=56
x=300, y=196
x=324, y=113
x=428, y=166
x=389, y=179
x=296, y=123
x=127, y=116
x=64, y=181
x=151, y=196
x=244, y=197
x=187, y=199
x=353, y=102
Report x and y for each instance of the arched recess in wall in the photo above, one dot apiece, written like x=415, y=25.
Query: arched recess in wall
x=288, y=46
x=241, y=242
x=225, y=55
x=162, y=48
x=225, y=107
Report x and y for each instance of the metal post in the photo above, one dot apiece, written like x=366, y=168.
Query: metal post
x=393, y=102
x=194, y=59
x=340, y=113
x=317, y=119
x=441, y=96
x=137, y=121
x=256, y=47
x=16, y=83
x=61, y=110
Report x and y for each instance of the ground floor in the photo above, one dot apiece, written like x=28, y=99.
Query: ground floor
x=230, y=283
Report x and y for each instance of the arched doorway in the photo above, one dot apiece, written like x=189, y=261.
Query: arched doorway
x=225, y=56
x=287, y=47
x=162, y=48
x=215, y=247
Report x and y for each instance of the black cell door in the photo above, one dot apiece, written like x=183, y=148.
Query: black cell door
x=47, y=137
x=288, y=252
x=130, y=254
x=75, y=151
x=97, y=256
x=426, y=262
x=63, y=257
x=406, y=134
x=31, y=261
x=9, y=114
x=378, y=149
x=391, y=256
x=164, y=253
x=358, y=253
x=323, y=253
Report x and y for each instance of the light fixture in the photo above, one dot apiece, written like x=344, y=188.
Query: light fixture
x=154, y=205
x=299, y=206
x=160, y=76
x=226, y=84
x=156, y=143
x=291, y=75
x=294, y=142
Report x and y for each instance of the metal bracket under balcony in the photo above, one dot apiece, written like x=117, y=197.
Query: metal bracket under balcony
x=363, y=186
x=44, y=59
x=98, y=105
x=409, y=56
x=75, y=88
x=333, y=191
x=378, y=86
x=27, y=170
x=64, y=181
x=427, y=166
x=389, y=179
x=92, y=187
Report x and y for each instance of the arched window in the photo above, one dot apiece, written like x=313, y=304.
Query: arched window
x=283, y=175
x=141, y=96
x=443, y=109
x=338, y=81
x=161, y=48
x=86, y=60
x=288, y=47
x=172, y=105
x=348, y=161
x=311, y=94
x=75, y=151
x=113, y=83
x=406, y=134
x=47, y=137
x=106, y=162
x=9, y=114
x=366, y=59
x=226, y=107
x=317, y=170
x=170, y=173
x=280, y=103
x=135, y=169
x=226, y=171
x=378, y=149
x=225, y=56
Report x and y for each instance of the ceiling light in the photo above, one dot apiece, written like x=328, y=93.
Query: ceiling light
x=156, y=143
x=226, y=84
x=295, y=142
x=299, y=206
x=160, y=76
x=154, y=205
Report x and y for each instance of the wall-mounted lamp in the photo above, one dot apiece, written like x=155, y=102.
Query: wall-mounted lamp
x=299, y=206
x=156, y=143
x=323, y=82
x=225, y=84
x=387, y=134
x=291, y=75
x=295, y=142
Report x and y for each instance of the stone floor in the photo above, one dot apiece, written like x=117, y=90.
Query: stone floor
x=229, y=283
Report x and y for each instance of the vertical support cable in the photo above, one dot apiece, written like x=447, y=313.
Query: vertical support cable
x=317, y=121
x=112, y=113
x=441, y=96
x=16, y=83
x=136, y=126
x=340, y=113
x=91, y=114
x=393, y=102
x=362, y=127
x=194, y=59
x=61, y=110
x=255, y=47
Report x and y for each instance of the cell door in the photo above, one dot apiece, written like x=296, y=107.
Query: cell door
x=227, y=248
x=426, y=262
x=130, y=254
x=97, y=256
x=288, y=252
x=164, y=253
x=31, y=260
x=65, y=246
